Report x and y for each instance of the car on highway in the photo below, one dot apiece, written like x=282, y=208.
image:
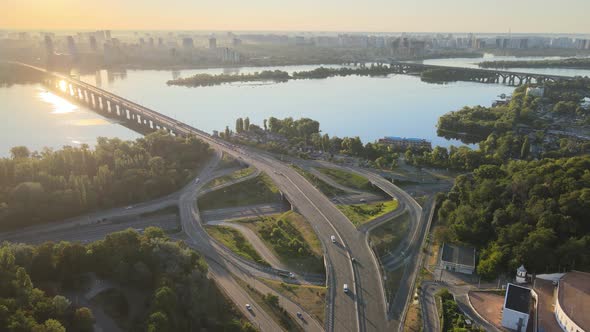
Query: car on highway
x=353, y=260
x=345, y=288
x=299, y=315
x=129, y=207
x=333, y=238
x=197, y=180
x=362, y=200
x=248, y=306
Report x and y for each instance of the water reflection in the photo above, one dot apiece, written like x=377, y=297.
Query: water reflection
x=58, y=104
x=90, y=122
x=36, y=118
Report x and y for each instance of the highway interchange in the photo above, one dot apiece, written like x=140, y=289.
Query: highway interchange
x=364, y=308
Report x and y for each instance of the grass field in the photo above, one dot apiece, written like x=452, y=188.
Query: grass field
x=311, y=298
x=322, y=186
x=291, y=238
x=231, y=177
x=392, y=282
x=389, y=235
x=363, y=213
x=348, y=179
x=280, y=316
x=228, y=161
x=258, y=190
x=236, y=242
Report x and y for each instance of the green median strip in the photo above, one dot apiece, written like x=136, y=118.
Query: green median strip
x=311, y=298
x=258, y=190
x=360, y=214
x=241, y=173
x=321, y=185
x=387, y=237
x=291, y=238
x=236, y=242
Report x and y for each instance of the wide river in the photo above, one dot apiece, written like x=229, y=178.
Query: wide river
x=371, y=108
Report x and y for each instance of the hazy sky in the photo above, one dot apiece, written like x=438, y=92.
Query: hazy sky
x=557, y=16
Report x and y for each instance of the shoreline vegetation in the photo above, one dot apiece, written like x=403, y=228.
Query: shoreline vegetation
x=571, y=63
x=51, y=185
x=438, y=75
x=278, y=76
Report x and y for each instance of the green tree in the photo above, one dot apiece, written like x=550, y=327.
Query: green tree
x=158, y=322
x=20, y=152
x=526, y=148
x=246, y=124
x=83, y=320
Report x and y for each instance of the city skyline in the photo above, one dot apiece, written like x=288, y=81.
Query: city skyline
x=566, y=17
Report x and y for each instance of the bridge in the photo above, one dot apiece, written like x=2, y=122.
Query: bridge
x=364, y=308
x=133, y=115
x=470, y=74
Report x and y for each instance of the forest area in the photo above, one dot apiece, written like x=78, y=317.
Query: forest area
x=37, y=187
x=522, y=212
x=178, y=294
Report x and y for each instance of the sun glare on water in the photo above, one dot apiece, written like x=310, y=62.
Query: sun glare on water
x=63, y=85
x=58, y=104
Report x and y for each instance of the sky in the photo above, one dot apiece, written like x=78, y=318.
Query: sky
x=489, y=16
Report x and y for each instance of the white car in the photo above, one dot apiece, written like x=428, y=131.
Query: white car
x=197, y=180
x=248, y=306
x=333, y=238
x=345, y=288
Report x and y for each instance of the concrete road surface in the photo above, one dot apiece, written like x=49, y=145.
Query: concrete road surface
x=243, y=212
x=430, y=320
x=92, y=232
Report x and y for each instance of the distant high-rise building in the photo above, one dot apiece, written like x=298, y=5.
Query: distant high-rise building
x=299, y=40
x=72, y=49
x=49, y=50
x=229, y=56
x=187, y=43
x=107, y=34
x=212, y=43
x=93, y=45
x=236, y=42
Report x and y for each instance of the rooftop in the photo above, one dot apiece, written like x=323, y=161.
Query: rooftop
x=458, y=254
x=409, y=139
x=518, y=299
x=574, y=297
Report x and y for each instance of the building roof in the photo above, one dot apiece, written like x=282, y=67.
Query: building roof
x=458, y=254
x=574, y=297
x=518, y=298
x=409, y=139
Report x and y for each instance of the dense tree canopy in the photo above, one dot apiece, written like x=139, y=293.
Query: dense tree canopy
x=182, y=297
x=523, y=212
x=38, y=187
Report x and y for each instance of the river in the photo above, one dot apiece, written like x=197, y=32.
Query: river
x=371, y=108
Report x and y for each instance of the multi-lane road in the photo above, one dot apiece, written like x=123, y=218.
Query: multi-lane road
x=364, y=307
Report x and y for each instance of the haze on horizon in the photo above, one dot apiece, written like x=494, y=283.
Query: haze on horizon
x=523, y=16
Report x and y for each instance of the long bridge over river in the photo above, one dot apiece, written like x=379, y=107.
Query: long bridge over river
x=472, y=74
x=343, y=312
x=108, y=104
